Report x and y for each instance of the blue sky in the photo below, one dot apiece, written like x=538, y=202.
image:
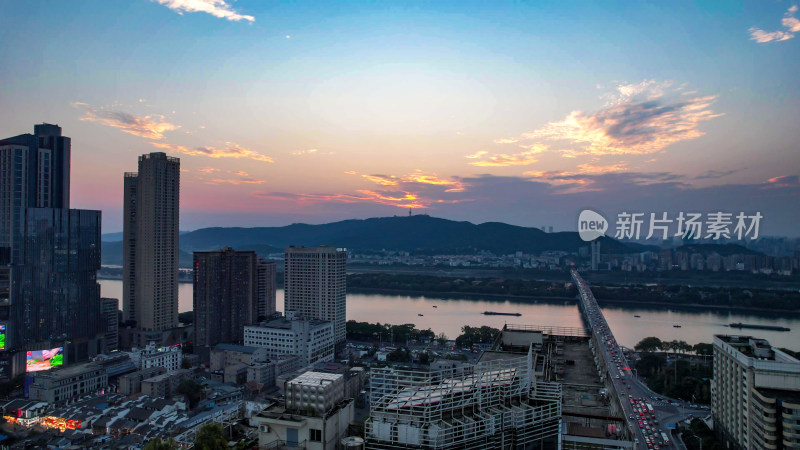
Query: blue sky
x=480, y=111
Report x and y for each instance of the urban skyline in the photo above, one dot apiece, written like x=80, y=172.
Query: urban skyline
x=489, y=225
x=378, y=109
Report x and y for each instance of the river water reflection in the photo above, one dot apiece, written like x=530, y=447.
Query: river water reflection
x=696, y=325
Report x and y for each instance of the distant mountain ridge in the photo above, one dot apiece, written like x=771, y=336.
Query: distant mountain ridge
x=419, y=233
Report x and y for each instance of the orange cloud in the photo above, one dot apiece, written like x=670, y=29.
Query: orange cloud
x=234, y=181
x=230, y=150
x=417, y=176
x=636, y=120
x=310, y=151
x=504, y=159
x=148, y=127
x=406, y=201
x=382, y=180
x=217, y=8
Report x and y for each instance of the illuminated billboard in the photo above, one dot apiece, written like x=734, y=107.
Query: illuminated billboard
x=2, y=336
x=39, y=360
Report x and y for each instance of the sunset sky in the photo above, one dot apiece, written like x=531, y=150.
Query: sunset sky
x=518, y=112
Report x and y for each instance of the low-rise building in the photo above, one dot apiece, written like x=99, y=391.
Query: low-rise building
x=165, y=385
x=223, y=355
x=152, y=356
x=315, y=414
x=131, y=383
x=59, y=385
x=310, y=340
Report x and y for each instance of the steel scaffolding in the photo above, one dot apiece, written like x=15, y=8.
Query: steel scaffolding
x=492, y=404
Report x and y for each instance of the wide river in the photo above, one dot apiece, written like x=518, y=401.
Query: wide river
x=450, y=314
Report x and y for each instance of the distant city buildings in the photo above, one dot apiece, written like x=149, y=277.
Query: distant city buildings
x=49, y=254
x=232, y=289
x=310, y=340
x=755, y=394
x=316, y=286
x=150, y=246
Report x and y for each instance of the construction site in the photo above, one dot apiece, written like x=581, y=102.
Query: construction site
x=537, y=388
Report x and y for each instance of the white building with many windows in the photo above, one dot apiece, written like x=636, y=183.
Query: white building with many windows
x=151, y=356
x=315, y=285
x=310, y=340
x=755, y=394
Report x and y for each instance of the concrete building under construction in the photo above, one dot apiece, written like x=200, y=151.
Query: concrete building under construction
x=499, y=402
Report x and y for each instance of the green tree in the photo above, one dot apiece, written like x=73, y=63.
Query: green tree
x=703, y=349
x=424, y=358
x=649, y=344
x=158, y=444
x=441, y=338
x=192, y=390
x=211, y=436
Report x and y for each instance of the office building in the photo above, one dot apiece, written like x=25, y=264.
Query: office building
x=310, y=340
x=755, y=394
x=34, y=173
x=229, y=294
x=58, y=282
x=315, y=285
x=109, y=311
x=150, y=246
x=49, y=254
x=314, y=415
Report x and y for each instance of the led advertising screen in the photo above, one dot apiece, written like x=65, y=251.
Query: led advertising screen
x=39, y=360
x=2, y=336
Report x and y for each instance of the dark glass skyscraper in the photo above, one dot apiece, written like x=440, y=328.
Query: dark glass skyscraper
x=231, y=289
x=58, y=281
x=49, y=254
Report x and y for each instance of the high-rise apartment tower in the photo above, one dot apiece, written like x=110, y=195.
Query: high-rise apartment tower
x=150, y=245
x=316, y=286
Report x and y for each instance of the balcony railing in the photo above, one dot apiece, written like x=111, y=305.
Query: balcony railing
x=284, y=445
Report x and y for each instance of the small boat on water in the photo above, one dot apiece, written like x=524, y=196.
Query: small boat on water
x=420, y=315
x=435, y=306
x=636, y=315
x=758, y=327
x=676, y=326
x=492, y=313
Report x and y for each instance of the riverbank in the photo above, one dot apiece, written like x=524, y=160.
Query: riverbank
x=500, y=297
x=534, y=299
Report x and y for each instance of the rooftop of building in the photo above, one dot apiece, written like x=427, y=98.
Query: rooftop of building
x=318, y=249
x=236, y=348
x=315, y=378
x=754, y=347
x=285, y=323
x=278, y=411
x=68, y=371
